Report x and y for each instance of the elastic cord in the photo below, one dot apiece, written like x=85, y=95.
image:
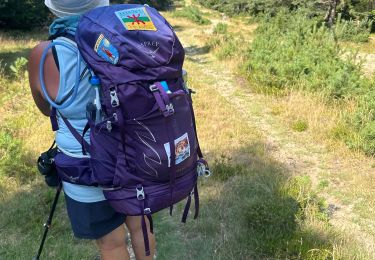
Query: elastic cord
x=41, y=75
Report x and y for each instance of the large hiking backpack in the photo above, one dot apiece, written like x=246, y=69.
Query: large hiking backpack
x=144, y=150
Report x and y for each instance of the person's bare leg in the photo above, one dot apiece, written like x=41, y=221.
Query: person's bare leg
x=135, y=228
x=113, y=245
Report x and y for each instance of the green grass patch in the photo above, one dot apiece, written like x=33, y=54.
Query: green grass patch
x=225, y=45
x=220, y=28
x=300, y=126
x=193, y=14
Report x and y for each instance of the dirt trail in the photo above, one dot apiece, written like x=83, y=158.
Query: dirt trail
x=300, y=154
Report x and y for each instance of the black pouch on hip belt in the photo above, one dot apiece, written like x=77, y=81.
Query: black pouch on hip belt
x=47, y=167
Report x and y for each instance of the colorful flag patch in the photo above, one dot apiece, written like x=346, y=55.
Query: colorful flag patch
x=136, y=19
x=106, y=50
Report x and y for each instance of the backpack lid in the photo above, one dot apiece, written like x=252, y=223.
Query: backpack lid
x=130, y=40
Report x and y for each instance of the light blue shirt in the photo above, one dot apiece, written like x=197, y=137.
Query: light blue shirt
x=76, y=114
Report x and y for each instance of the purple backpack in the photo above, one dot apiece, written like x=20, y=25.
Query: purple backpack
x=144, y=150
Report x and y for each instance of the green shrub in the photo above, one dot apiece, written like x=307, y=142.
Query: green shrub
x=19, y=67
x=363, y=122
x=260, y=7
x=193, y=14
x=304, y=55
x=225, y=45
x=300, y=54
x=272, y=219
x=158, y=4
x=220, y=28
x=355, y=31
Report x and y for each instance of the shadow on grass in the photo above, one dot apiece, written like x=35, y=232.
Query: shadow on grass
x=25, y=203
x=8, y=58
x=21, y=227
x=195, y=50
x=248, y=211
x=178, y=28
x=195, y=54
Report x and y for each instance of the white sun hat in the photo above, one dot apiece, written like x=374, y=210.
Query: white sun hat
x=62, y=8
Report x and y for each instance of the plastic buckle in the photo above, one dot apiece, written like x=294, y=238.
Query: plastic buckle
x=140, y=193
x=154, y=88
x=147, y=211
x=109, y=126
x=115, y=102
x=170, y=109
x=115, y=117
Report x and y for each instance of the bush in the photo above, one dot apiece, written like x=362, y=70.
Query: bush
x=304, y=55
x=355, y=31
x=25, y=15
x=301, y=55
x=193, y=14
x=160, y=4
x=260, y=7
x=19, y=66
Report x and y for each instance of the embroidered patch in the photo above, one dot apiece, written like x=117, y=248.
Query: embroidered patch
x=136, y=19
x=106, y=50
x=182, y=148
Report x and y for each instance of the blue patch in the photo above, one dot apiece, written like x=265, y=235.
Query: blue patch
x=106, y=50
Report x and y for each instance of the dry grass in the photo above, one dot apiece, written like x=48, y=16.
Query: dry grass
x=264, y=171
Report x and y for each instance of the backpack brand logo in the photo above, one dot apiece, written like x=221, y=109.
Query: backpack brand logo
x=151, y=47
x=106, y=50
x=136, y=19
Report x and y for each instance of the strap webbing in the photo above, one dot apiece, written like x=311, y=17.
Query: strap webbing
x=145, y=236
x=87, y=127
x=144, y=228
x=199, y=151
x=196, y=201
x=75, y=133
x=186, y=210
x=53, y=118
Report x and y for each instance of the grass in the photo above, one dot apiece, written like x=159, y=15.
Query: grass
x=252, y=207
x=365, y=47
x=193, y=14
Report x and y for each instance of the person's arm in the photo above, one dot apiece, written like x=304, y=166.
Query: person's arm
x=51, y=77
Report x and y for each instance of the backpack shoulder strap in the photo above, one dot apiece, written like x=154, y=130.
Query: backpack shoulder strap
x=75, y=133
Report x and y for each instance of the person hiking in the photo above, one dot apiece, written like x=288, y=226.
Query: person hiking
x=90, y=214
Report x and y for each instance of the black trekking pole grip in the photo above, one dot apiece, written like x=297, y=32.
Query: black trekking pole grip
x=47, y=225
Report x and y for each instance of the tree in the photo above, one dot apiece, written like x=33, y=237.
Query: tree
x=331, y=13
x=23, y=14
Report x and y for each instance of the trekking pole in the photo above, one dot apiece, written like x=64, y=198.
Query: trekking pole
x=47, y=225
